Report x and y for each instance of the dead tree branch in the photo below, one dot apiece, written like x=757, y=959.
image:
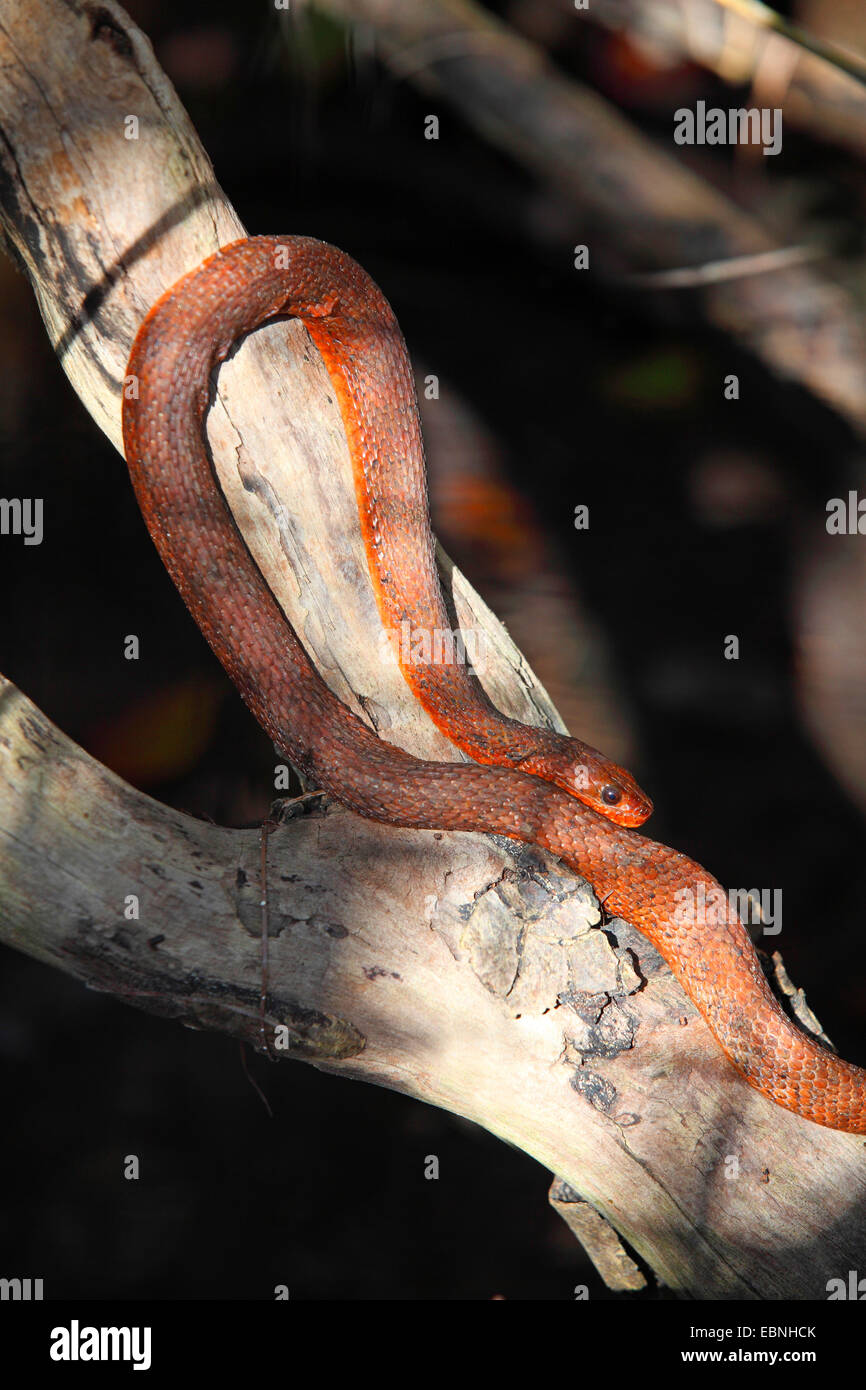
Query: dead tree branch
x=449, y=967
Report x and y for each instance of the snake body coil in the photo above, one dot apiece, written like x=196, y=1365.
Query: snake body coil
x=672, y=900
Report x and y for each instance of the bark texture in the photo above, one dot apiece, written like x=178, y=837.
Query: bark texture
x=457, y=969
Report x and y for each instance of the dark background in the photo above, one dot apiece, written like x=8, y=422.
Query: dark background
x=611, y=407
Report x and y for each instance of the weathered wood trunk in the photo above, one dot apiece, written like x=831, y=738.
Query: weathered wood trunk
x=460, y=970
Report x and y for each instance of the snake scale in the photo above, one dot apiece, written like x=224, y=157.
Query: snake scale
x=529, y=784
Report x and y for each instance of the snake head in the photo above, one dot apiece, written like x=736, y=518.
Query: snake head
x=596, y=781
x=608, y=789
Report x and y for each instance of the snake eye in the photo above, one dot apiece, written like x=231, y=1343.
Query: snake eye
x=611, y=794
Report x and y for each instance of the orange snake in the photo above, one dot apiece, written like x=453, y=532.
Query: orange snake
x=537, y=786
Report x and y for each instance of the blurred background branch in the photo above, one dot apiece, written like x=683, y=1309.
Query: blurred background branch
x=822, y=86
x=542, y=389
x=637, y=207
